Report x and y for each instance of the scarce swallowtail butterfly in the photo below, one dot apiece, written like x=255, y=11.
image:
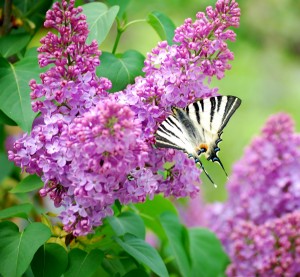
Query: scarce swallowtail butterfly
x=197, y=128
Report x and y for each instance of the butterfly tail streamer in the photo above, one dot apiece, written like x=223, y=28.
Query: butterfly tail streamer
x=220, y=163
x=206, y=173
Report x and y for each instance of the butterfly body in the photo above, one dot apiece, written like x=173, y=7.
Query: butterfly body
x=197, y=128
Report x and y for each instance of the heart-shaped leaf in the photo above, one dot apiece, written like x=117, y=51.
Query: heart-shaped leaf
x=14, y=94
x=30, y=183
x=21, y=210
x=50, y=260
x=121, y=69
x=178, y=241
x=163, y=25
x=143, y=253
x=128, y=222
x=207, y=254
x=18, y=248
x=100, y=19
x=82, y=263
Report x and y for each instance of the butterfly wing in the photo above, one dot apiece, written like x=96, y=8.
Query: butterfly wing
x=210, y=116
x=177, y=132
x=197, y=128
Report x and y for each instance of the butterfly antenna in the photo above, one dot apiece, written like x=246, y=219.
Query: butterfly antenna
x=206, y=173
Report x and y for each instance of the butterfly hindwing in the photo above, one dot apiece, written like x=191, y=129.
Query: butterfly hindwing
x=171, y=134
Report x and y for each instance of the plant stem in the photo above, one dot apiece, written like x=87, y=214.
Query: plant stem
x=117, y=41
x=133, y=22
x=120, y=31
x=6, y=17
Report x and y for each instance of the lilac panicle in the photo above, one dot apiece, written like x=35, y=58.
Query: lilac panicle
x=91, y=148
x=70, y=87
x=176, y=75
x=263, y=204
x=109, y=139
x=268, y=249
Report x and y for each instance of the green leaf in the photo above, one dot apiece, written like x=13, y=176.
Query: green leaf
x=100, y=19
x=30, y=183
x=14, y=95
x=178, y=241
x=50, y=260
x=136, y=272
x=17, y=249
x=6, y=166
x=82, y=263
x=121, y=69
x=163, y=25
x=6, y=120
x=12, y=44
x=122, y=6
x=21, y=210
x=152, y=209
x=143, y=253
x=128, y=222
x=207, y=254
x=118, y=266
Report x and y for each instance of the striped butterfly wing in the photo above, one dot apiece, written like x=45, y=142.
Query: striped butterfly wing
x=172, y=133
x=201, y=122
x=211, y=115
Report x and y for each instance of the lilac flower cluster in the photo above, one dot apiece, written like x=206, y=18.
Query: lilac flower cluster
x=175, y=75
x=108, y=137
x=264, y=191
x=91, y=148
x=269, y=249
x=70, y=87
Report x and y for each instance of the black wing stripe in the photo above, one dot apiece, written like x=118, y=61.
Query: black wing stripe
x=219, y=100
x=166, y=131
x=187, y=111
x=162, y=142
x=202, y=105
x=197, y=111
x=212, y=109
x=232, y=104
x=172, y=123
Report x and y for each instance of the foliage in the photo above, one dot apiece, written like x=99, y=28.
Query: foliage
x=120, y=245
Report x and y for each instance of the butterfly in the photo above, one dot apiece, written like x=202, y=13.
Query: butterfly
x=197, y=128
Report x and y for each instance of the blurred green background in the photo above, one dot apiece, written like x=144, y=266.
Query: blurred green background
x=265, y=73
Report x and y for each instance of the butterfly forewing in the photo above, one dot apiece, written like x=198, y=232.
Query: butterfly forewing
x=212, y=114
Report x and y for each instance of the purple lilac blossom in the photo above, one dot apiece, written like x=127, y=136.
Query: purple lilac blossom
x=265, y=183
x=91, y=148
x=259, y=224
x=268, y=249
x=177, y=75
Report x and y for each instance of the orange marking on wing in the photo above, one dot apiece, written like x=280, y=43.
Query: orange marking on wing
x=203, y=146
